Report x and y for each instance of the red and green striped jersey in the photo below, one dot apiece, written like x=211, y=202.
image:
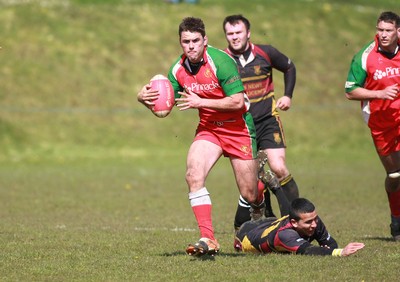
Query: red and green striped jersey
x=217, y=78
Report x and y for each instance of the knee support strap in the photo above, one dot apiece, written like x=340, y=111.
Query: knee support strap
x=395, y=174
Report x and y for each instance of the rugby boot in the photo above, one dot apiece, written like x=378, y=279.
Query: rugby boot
x=395, y=231
x=204, y=246
x=257, y=212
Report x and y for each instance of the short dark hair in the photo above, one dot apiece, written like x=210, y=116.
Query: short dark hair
x=234, y=19
x=300, y=206
x=193, y=25
x=389, y=17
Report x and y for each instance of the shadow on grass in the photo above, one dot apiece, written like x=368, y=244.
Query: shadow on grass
x=378, y=238
x=205, y=257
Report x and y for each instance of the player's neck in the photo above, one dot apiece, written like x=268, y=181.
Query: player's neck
x=390, y=51
x=245, y=52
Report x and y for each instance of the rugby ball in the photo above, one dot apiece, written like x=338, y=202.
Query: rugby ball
x=166, y=100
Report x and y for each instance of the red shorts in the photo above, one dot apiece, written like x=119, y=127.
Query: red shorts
x=386, y=141
x=235, y=138
x=384, y=122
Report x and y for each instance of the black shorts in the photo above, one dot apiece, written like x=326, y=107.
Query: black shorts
x=270, y=133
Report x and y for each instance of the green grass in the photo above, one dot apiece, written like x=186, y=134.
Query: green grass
x=115, y=219
x=92, y=184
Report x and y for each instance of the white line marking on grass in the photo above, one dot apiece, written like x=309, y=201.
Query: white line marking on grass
x=176, y=229
x=43, y=3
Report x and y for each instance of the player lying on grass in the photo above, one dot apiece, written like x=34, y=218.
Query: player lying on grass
x=292, y=233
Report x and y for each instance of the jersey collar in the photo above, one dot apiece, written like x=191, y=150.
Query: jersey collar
x=246, y=57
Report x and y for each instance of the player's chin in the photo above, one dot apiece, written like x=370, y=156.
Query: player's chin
x=310, y=232
x=237, y=47
x=193, y=56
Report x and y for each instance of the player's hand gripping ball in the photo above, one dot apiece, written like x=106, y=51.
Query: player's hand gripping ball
x=166, y=100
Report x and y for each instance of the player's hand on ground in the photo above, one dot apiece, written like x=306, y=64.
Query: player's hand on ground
x=284, y=103
x=146, y=95
x=390, y=92
x=352, y=248
x=188, y=100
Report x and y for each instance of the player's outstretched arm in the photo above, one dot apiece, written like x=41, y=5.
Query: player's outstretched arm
x=351, y=248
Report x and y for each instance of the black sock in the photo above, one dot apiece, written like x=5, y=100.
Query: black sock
x=283, y=201
x=242, y=215
x=290, y=188
x=268, y=206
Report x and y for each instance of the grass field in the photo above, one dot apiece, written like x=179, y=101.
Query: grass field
x=92, y=185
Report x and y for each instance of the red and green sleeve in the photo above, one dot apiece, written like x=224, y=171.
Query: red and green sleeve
x=226, y=71
x=358, y=72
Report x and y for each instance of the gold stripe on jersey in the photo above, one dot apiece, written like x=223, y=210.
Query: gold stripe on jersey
x=254, y=78
x=274, y=225
x=247, y=246
x=271, y=94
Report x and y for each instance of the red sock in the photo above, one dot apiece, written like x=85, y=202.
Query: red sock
x=394, y=203
x=260, y=195
x=201, y=206
x=204, y=221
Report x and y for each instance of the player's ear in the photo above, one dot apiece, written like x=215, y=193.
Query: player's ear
x=294, y=223
x=205, y=40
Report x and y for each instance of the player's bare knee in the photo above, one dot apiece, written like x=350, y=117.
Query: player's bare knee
x=392, y=184
x=249, y=197
x=250, y=200
x=280, y=170
x=194, y=179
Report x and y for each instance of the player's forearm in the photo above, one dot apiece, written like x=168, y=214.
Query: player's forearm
x=231, y=103
x=361, y=94
x=290, y=81
x=314, y=251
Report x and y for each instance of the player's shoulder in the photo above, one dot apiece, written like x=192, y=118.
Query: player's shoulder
x=216, y=53
x=366, y=50
x=175, y=66
x=264, y=47
x=288, y=235
x=266, y=51
x=218, y=60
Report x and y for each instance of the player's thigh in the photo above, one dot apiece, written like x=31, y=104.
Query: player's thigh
x=246, y=176
x=277, y=161
x=202, y=156
x=391, y=162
